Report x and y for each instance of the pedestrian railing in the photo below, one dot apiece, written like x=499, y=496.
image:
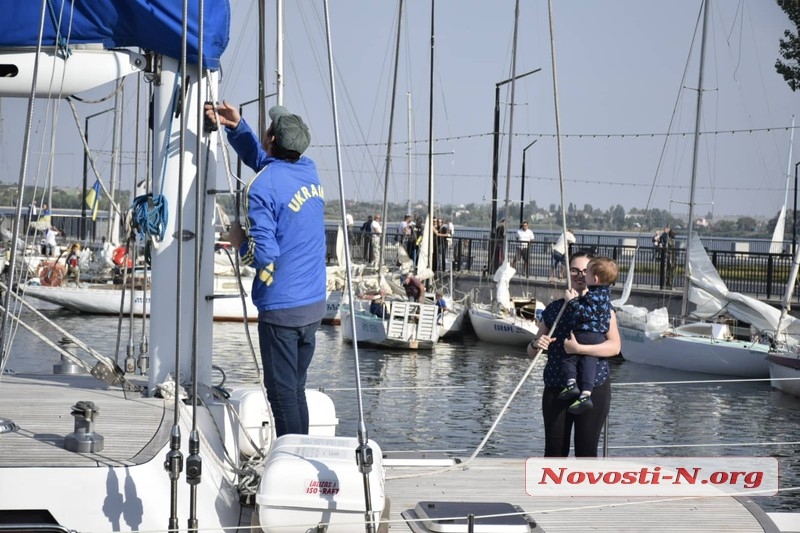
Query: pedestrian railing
x=761, y=275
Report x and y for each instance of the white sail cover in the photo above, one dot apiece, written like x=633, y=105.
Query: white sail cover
x=712, y=297
x=776, y=245
x=423, y=262
x=626, y=289
x=502, y=277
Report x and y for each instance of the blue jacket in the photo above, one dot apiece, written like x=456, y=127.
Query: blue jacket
x=285, y=209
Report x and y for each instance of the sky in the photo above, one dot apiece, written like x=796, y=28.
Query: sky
x=626, y=72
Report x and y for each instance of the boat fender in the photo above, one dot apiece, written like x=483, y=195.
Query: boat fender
x=52, y=274
x=120, y=255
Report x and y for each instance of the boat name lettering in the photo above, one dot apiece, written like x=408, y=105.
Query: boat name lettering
x=503, y=327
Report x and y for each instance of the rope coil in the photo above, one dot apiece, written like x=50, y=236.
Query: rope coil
x=150, y=215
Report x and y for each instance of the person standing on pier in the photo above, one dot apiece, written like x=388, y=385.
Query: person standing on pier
x=558, y=421
x=284, y=241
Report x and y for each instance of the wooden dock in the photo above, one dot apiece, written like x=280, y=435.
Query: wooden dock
x=502, y=480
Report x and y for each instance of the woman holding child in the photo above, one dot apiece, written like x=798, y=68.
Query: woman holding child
x=586, y=312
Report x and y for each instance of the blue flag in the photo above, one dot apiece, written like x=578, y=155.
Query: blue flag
x=93, y=199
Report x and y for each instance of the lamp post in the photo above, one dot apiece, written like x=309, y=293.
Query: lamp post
x=496, y=144
x=83, y=229
x=522, y=185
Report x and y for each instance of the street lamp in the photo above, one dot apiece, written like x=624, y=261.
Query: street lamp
x=496, y=146
x=83, y=229
x=522, y=185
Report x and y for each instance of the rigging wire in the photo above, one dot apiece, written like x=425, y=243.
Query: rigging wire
x=5, y=326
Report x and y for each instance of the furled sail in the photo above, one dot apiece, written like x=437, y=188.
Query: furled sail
x=149, y=24
x=712, y=297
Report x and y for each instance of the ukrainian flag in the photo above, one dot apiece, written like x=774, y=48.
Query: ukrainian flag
x=93, y=199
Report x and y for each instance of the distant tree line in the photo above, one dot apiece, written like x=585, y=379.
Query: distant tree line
x=789, y=46
x=585, y=218
x=58, y=198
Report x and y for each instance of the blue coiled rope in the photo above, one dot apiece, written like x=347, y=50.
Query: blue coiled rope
x=150, y=215
x=151, y=212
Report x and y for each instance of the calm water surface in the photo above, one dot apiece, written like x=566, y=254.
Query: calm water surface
x=449, y=398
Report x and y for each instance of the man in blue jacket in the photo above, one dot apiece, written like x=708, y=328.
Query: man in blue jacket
x=284, y=241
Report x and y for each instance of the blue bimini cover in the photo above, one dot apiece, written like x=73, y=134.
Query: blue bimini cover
x=154, y=25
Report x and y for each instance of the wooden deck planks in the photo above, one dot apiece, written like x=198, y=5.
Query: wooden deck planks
x=502, y=480
x=41, y=409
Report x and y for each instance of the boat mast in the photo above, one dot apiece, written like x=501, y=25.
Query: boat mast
x=511, y=122
x=112, y=232
x=262, y=76
x=698, y=116
x=384, y=212
x=408, y=155
x=279, y=52
x=429, y=222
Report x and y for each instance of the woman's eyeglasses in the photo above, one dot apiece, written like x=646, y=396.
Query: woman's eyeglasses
x=577, y=271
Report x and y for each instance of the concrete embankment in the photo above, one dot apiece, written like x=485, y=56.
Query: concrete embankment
x=546, y=291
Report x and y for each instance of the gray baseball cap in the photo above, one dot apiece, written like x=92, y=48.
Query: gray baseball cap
x=291, y=133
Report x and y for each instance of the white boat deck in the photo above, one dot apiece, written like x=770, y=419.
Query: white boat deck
x=41, y=406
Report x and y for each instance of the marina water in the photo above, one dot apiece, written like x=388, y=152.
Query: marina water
x=449, y=398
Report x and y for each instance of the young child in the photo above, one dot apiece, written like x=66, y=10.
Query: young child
x=592, y=312
x=73, y=262
x=441, y=306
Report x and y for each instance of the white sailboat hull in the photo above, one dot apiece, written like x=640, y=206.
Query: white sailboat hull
x=408, y=325
x=105, y=300
x=451, y=324
x=332, y=314
x=695, y=353
x=370, y=330
x=498, y=329
x=784, y=373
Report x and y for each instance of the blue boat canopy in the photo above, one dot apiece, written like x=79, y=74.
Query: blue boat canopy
x=149, y=24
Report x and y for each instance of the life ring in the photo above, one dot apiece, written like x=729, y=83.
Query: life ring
x=119, y=257
x=52, y=274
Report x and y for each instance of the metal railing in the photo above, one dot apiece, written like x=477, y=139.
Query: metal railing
x=758, y=274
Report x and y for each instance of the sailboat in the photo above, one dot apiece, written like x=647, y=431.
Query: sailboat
x=784, y=365
x=70, y=460
x=714, y=344
x=399, y=323
x=506, y=320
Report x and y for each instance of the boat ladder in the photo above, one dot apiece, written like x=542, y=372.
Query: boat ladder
x=411, y=321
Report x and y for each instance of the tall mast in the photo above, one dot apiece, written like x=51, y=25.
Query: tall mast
x=262, y=76
x=112, y=232
x=408, y=154
x=279, y=52
x=429, y=223
x=384, y=212
x=511, y=122
x=698, y=117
